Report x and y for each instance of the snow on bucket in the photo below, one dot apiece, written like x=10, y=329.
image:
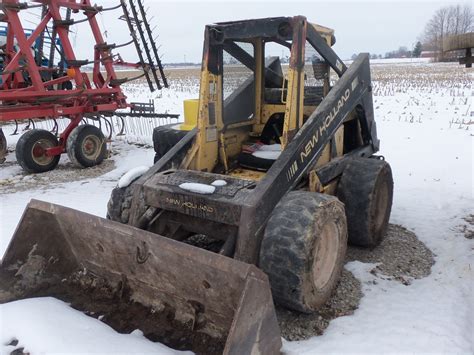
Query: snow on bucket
x=185, y=297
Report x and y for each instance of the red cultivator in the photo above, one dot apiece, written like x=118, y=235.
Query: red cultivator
x=32, y=87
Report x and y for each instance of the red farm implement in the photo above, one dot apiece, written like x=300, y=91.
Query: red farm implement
x=33, y=87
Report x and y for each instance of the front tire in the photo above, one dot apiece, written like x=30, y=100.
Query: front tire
x=31, y=151
x=303, y=249
x=118, y=207
x=3, y=146
x=86, y=146
x=366, y=189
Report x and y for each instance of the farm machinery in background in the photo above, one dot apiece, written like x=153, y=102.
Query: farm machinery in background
x=461, y=43
x=42, y=79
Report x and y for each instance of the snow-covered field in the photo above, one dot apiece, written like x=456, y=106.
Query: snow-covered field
x=426, y=126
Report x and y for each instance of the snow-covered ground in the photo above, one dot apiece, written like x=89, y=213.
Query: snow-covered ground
x=425, y=122
x=396, y=61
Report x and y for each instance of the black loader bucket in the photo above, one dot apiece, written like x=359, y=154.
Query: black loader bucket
x=182, y=296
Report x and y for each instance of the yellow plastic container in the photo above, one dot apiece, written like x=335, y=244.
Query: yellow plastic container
x=191, y=108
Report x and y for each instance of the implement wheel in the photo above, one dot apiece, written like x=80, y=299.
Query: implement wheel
x=31, y=151
x=86, y=146
x=3, y=146
x=366, y=189
x=303, y=249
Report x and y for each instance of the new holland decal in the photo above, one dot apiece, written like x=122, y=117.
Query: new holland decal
x=312, y=142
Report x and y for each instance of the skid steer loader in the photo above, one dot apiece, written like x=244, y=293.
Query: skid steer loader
x=253, y=205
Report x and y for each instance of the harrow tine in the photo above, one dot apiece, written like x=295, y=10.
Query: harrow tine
x=54, y=130
x=123, y=44
x=131, y=27
x=153, y=46
x=15, y=132
x=30, y=123
x=122, y=127
x=108, y=126
x=141, y=32
x=111, y=8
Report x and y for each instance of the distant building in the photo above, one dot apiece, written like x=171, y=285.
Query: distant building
x=428, y=54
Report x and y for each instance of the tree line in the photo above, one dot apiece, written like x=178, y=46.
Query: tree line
x=447, y=21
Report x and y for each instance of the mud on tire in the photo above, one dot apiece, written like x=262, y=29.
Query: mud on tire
x=118, y=207
x=366, y=189
x=303, y=249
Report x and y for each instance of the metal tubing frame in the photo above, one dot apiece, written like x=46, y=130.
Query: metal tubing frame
x=33, y=100
x=350, y=93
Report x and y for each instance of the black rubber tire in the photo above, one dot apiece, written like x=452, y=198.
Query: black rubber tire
x=300, y=228
x=366, y=189
x=165, y=138
x=86, y=146
x=3, y=146
x=36, y=162
x=118, y=207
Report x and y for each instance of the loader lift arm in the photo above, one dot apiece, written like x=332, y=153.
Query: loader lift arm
x=351, y=93
x=352, y=89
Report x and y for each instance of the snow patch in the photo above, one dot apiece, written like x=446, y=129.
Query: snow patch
x=132, y=175
x=267, y=154
x=270, y=151
x=219, y=183
x=198, y=188
x=49, y=326
x=270, y=147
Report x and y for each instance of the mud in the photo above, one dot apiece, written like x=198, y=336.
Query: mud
x=113, y=305
x=401, y=257
x=467, y=228
x=64, y=173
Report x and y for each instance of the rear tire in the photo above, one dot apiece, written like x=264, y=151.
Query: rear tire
x=165, y=138
x=303, y=249
x=31, y=148
x=366, y=189
x=86, y=146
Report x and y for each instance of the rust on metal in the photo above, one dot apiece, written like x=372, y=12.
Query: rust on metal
x=224, y=300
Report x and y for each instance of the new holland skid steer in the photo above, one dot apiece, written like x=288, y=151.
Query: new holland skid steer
x=254, y=205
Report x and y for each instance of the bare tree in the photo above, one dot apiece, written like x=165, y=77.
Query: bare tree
x=466, y=20
x=448, y=20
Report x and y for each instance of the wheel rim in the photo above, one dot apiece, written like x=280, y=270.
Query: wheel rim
x=91, y=147
x=325, y=256
x=38, y=152
x=381, y=203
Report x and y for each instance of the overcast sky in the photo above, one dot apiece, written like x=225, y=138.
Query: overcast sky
x=360, y=26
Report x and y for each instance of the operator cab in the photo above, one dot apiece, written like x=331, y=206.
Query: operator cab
x=261, y=80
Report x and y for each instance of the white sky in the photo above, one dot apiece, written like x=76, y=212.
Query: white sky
x=361, y=26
